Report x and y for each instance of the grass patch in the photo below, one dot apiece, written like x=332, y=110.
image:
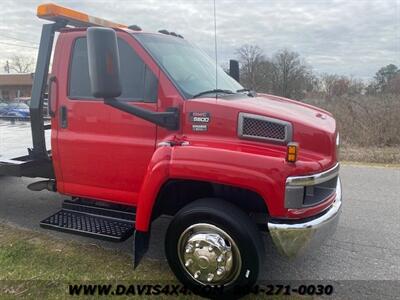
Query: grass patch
x=36, y=266
x=386, y=156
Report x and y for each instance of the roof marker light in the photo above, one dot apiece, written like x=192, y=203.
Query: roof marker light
x=135, y=27
x=163, y=31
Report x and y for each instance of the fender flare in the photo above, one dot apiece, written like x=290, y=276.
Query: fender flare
x=169, y=163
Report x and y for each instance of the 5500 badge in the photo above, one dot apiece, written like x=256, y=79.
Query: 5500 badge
x=201, y=119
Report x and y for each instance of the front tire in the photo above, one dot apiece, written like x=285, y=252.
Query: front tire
x=211, y=242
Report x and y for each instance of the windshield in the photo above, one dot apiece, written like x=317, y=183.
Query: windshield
x=190, y=68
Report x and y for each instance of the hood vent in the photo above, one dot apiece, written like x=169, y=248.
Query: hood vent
x=258, y=127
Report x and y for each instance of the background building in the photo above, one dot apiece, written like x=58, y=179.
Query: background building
x=15, y=86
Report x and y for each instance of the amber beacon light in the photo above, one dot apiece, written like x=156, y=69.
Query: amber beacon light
x=53, y=12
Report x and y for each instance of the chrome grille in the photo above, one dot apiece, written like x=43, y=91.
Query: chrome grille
x=265, y=128
x=311, y=190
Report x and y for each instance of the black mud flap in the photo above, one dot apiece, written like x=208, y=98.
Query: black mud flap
x=141, y=242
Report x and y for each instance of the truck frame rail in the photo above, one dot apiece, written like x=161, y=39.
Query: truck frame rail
x=25, y=166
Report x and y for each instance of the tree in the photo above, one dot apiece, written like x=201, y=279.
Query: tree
x=333, y=85
x=341, y=86
x=252, y=62
x=20, y=64
x=356, y=87
x=384, y=76
x=283, y=75
x=291, y=77
x=394, y=85
x=328, y=82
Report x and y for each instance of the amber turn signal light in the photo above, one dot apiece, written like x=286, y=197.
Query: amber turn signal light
x=292, y=150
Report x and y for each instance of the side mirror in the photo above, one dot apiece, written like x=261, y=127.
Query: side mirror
x=234, y=69
x=103, y=61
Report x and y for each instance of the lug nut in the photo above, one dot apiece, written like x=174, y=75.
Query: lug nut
x=197, y=274
x=210, y=277
x=220, y=271
x=197, y=244
x=210, y=249
x=220, y=259
x=189, y=249
x=188, y=262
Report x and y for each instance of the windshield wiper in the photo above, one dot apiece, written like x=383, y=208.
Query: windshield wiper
x=213, y=91
x=249, y=92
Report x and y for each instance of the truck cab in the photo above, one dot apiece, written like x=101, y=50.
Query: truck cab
x=147, y=122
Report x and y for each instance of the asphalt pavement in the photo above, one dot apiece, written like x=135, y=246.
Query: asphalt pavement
x=361, y=260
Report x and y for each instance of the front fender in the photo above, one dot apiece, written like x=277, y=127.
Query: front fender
x=157, y=174
x=257, y=173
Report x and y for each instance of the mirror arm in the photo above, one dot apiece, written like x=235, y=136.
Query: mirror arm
x=168, y=119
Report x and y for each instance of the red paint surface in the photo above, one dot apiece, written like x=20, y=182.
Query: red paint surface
x=110, y=155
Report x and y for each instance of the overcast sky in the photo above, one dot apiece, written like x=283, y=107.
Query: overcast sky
x=350, y=37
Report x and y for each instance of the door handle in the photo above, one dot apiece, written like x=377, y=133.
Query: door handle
x=63, y=117
x=52, y=80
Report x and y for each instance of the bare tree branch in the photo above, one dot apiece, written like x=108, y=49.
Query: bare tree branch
x=21, y=64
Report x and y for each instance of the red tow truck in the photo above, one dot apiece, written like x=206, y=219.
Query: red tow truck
x=139, y=129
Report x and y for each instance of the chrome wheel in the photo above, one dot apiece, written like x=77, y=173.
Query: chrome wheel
x=209, y=255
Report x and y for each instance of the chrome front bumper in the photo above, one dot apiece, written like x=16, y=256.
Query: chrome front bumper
x=296, y=237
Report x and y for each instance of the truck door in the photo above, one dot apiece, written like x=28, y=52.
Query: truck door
x=103, y=152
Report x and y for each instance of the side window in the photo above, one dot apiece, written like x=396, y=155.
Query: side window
x=79, y=83
x=138, y=81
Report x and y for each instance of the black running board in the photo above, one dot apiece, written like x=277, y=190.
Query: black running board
x=91, y=220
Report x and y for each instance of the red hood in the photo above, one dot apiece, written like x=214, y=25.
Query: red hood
x=286, y=109
x=313, y=128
